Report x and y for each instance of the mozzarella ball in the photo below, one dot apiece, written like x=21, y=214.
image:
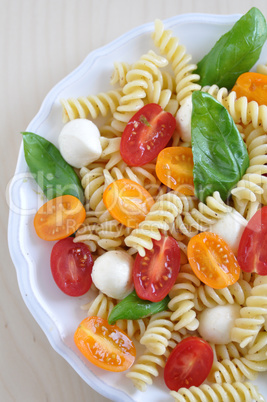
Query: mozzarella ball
x=230, y=229
x=112, y=274
x=215, y=324
x=79, y=142
x=183, y=119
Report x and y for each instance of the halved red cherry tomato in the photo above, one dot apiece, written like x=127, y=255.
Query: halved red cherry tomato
x=104, y=345
x=189, y=364
x=252, y=251
x=59, y=218
x=212, y=260
x=155, y=274
x=146, y=134
x=127, y=201
x=253, y=86
x=174, y=168
x=71, y=266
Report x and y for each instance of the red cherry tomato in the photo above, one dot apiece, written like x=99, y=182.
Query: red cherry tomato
x=155, y=274
x=146, y=134
x=252, y=251
x=104, y=345
x=71, y=266
x=189, y=364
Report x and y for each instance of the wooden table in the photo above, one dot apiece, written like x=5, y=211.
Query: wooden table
x=41, y=41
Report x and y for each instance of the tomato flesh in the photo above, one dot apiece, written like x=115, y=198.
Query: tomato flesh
x=174, y=168
x=252, y=250
x=212, y=260
x=71, y=266
x=59, y=218
x=155, y=274
x=128, y=202
x=104, y=345
x=253, y=86
x=189, y=364
x=146, y=134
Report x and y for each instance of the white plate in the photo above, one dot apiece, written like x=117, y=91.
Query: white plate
x=59, y=315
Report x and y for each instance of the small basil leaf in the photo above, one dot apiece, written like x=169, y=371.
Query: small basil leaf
x=235, y=52
x=51, y=172
x=219, y=152
x=133, y=308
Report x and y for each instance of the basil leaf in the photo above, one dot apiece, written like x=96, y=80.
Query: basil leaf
x=52, y=173
x=235, y=52
x=133, y=308
x=219, y=152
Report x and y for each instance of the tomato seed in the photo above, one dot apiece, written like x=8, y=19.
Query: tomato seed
x=165, y=277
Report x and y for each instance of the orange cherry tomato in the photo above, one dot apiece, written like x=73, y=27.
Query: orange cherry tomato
x=174, y=168
x=212, y=260
x=59, y=218
x=253, y=86
x=104, y=345
x=128, y=202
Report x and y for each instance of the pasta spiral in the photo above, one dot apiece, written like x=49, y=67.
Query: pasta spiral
x=252, y=314
x=246, y=112
x=242, y=111
x=110, y=151
x=101, y=306
x=228, y=351
x=133, y=328
x=236, y=367
x=205, y=296
x=108, y=235
x=238, y=392
x=231, y=371
x=200, y=218
x=160, y=216
x=148, y=364
x=93, y=105
x=182, y=296
x=158, y=332
x=180, y=61
x=250, y=191
x=119, y=73
x=144, y=369
x=140, y=79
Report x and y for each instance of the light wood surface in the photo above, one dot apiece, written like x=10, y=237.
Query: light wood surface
x=41, y=41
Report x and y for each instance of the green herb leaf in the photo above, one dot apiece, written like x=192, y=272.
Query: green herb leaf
x=219, y=152
x=235, y=52
x=144, y=120
x=52, y=173
x=133, y=308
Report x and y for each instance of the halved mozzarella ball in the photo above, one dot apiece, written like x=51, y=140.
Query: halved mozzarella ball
x=216, y=323
x=112, y=274
x=79, y=142
x=183, y=119
x=230, y=228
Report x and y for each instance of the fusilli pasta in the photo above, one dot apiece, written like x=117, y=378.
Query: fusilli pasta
x=93, y=105
x=180, y=61
x=238, y=392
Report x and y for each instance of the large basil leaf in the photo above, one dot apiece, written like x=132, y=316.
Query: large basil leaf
x=219, y=152
x=52, y=173
x=133, y=308
x=235, y=52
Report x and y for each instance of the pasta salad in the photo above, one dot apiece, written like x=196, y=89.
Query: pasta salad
x=156, y=210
